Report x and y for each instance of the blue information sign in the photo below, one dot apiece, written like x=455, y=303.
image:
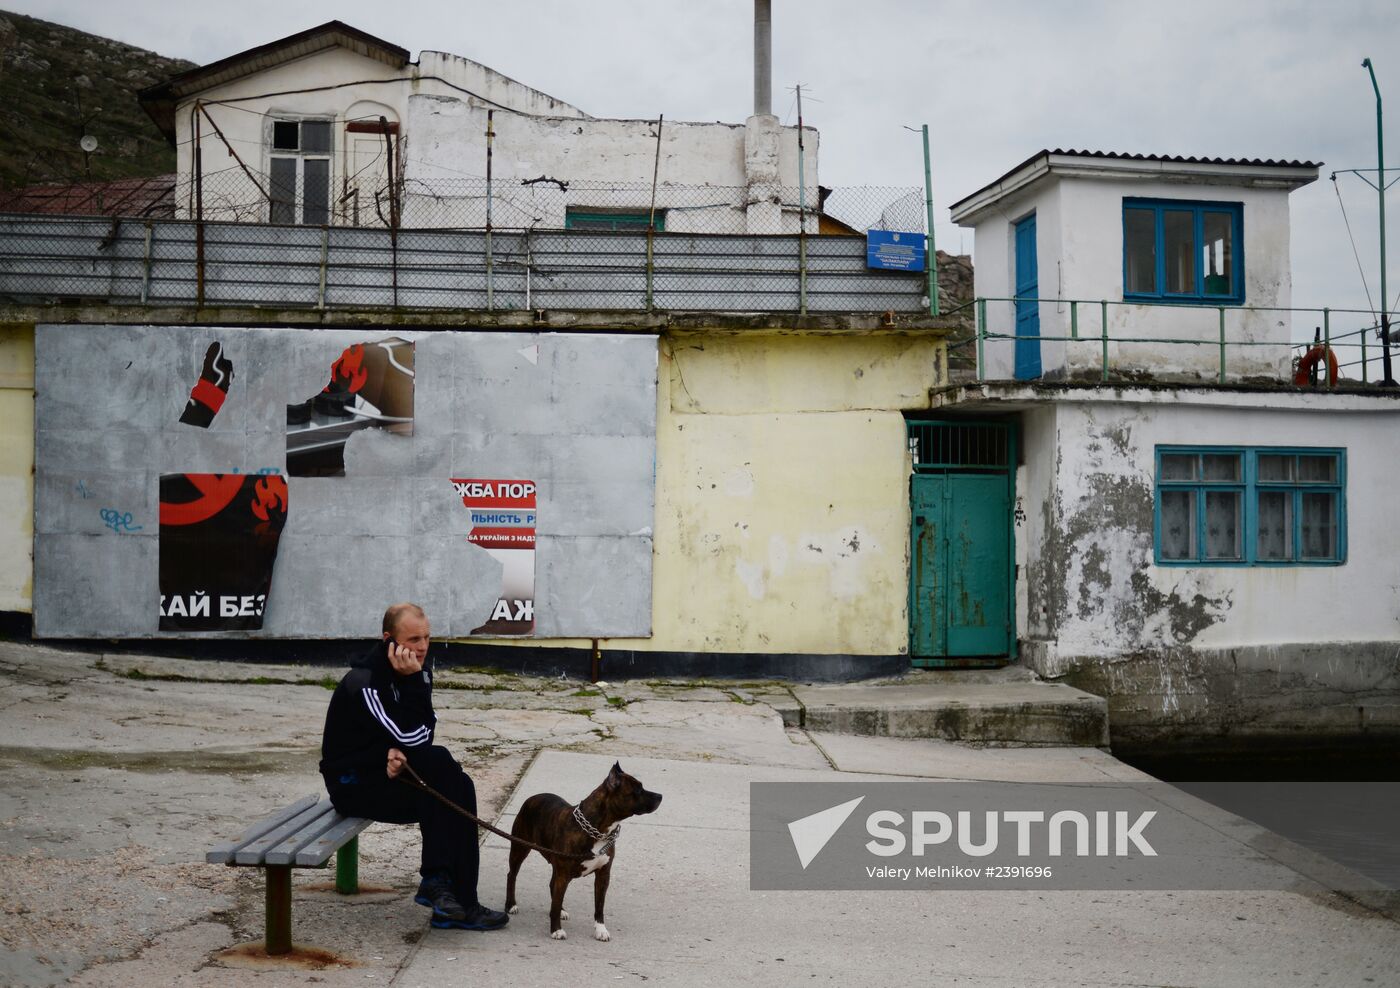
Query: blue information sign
x=894, y=251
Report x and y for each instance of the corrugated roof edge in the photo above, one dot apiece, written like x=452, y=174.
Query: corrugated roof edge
x=1184, y=159
x=1175, y=159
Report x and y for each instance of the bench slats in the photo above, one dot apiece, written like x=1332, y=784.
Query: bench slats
x=252, y=853
x=320, y=849
x=285, y=852
x=224, y=852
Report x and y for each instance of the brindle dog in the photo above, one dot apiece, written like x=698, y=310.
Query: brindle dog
x=547, y=820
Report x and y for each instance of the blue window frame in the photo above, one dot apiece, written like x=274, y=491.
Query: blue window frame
x=1181, y=251
x=1249, y=506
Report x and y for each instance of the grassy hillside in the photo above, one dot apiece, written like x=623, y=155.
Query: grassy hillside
x=56, y=84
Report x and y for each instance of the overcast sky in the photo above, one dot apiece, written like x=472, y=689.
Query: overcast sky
x=996, y=82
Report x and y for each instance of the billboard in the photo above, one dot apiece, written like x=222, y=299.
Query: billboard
x=263, y=482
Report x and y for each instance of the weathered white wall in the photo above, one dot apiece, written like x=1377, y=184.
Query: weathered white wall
x=449, y=143
x=1079, y=235
x=488, y=84
x=440, y=105
x=1035, y=490
x=337, y=84
x=994, y=275
x=341, y=80
x=1092, y=586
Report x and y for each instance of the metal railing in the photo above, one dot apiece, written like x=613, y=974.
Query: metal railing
x=1089, y=322
x=119, y=261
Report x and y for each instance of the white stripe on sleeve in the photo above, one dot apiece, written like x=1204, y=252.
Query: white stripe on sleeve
x=411, y=738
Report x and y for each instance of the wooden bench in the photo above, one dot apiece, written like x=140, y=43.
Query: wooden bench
x=303, y=834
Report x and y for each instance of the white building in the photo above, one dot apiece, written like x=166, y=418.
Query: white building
x=1140, y=233
x=333, y=125
x=1213, y=549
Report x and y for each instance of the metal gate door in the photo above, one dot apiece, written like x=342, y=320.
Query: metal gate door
x=961, y=570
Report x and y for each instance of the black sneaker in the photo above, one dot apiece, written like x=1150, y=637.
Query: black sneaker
x=478, y=918
x=437, y=895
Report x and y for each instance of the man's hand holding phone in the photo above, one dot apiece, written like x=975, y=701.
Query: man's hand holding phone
x=403, y=659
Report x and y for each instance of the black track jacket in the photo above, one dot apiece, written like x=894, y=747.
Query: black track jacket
x=372, y=710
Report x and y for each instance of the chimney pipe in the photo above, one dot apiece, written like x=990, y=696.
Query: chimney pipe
x=762, y=57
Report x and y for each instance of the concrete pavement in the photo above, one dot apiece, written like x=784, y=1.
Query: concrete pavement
x=117, y=771
x=680, y=910
x=1002, y=707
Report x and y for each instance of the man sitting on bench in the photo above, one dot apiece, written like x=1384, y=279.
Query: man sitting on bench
x=381, y=718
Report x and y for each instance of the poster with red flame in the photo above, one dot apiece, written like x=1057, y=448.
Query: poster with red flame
x=503, y=523
x=218, y=544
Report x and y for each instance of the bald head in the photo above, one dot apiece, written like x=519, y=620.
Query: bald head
x=396, y=613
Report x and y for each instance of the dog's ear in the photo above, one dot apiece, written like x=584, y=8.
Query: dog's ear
x=615, y=776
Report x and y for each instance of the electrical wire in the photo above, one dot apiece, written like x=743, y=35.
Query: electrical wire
x=364, y=82
x=1360, y=270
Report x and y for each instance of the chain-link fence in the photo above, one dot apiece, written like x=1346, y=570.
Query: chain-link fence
x=120, y=261
x=300, y=197
x=240, y=236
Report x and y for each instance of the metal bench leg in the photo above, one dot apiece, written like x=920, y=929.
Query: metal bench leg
x=277, y=936
x=347, y=867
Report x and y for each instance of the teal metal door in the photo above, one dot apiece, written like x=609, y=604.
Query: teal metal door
x=960, y=602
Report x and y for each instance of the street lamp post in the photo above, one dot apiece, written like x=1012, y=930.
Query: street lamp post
x=1389, y=381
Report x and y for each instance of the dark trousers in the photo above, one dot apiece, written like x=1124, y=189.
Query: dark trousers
x=449, y=839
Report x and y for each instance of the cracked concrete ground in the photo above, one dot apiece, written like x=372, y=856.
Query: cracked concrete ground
x=118, y=771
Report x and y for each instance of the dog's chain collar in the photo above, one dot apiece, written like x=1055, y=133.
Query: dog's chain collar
x=593, y=831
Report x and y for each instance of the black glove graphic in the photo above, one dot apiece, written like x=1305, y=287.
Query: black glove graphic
x=209, y=392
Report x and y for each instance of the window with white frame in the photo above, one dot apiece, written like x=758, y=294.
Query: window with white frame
x=300, y=171
x=1183, y=251
x=1250, y=506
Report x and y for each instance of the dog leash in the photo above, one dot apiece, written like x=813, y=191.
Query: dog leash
x=592, y=831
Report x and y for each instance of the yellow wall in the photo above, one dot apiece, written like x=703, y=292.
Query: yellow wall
x=16, y=467
x=782, y=487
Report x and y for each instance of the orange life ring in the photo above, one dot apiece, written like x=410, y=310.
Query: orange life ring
x=1303, y=375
